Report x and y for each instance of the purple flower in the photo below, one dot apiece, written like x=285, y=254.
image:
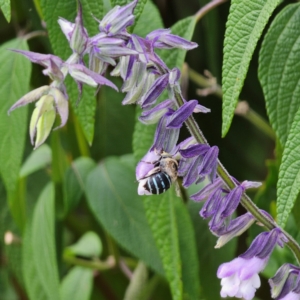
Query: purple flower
x=158, y=86
x=285, y=285
x=75, y=33
x=220, y=202
x=198, y=161
x=151, y=116
x=163, y=39
x=165, y=138
x=235, y=228
x=117, y=19
x=240, y=276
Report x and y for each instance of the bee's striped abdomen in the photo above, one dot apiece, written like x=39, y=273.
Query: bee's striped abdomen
x=158, y=183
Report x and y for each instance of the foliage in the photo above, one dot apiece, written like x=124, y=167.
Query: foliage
x=72, y=225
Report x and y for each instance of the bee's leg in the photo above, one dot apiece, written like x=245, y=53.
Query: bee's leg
x=177, y=189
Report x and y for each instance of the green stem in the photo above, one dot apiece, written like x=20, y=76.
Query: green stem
x=222, y=172
x=206, y=8
x=94, y=264
x=82, y=143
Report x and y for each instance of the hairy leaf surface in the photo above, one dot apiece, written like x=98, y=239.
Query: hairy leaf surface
x=279, y=63
x=244, y=27
x=288, y=186
x=52, y=10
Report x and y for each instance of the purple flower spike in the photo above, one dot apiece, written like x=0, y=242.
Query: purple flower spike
x=75, y=33
x=205, y=193
x=194, y=150
x=181, y=114
x=205, y=165
x=232, y=201
x=201, y=109
x=191, y=174
x=174, y=77
x=285, y=285
x=155, y=91
x=165, y=139
x=163, y=39
x=82, y=74
x=211, y=206
x=235, y=228
x=116, y=20
x=153, y=115
x=240, y=276
x=181, y=146
x=209, y=163
x=146, y=164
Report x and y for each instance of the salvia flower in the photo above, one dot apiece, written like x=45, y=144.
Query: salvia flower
x=198, y=161
x=285, y=285
x=163, y=39
x=221, y=203
x=117, y=19
x=235, y=228
x=75, y=33
x=50, y=102
x=239, y=278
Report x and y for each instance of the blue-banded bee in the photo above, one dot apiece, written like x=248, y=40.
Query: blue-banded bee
x=161, y=177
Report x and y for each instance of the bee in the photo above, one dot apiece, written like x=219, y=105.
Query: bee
x=161, y=177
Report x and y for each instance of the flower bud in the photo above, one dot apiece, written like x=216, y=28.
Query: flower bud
x=42, y=120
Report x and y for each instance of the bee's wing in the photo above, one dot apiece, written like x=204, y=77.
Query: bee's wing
x=153, y=171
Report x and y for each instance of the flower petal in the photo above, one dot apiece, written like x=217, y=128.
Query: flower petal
x=181, y=114
x=30, y=97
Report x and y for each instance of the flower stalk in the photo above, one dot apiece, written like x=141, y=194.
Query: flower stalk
x=222, y=172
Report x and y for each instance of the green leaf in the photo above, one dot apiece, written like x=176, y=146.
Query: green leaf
x=89, y=245
x=288, y=185
x=77, y=284
x=6, y=287
x=85, y=110
x=279, y=60
x=73, y=184
x=137, y=282
x=188, y=252
x=138, y=9
x=111, y=116
x=15, y=75
x=5, y=7
x=175, y=238
x=39, y=256
x=162, y=218
x=112, y=196
x=243, y=29
x=37, y=160
x=143, y=135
